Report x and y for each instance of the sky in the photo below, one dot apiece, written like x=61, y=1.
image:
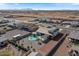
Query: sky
x=40, y=6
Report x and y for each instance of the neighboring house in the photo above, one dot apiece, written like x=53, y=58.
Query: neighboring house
x=13, y=35
x=74, y=38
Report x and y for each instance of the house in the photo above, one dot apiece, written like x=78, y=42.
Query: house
x=45, y=38
x=70, y=22
x=74, y=35
x=43, y=30
x=13, y=35
x=47, y=33
x=27, y=26
x=43, y=20
x=54, y=31
x=74, y=38
x=3, y=41
x=4, y=21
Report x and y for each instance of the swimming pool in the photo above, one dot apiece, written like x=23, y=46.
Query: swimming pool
x=34, y=37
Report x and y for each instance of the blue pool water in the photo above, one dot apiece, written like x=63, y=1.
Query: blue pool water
x=33, y=37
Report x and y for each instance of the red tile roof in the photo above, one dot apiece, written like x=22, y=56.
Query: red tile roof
x=49, y=46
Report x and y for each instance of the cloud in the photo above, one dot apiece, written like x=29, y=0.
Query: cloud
x=2, y=3
x=75, y=3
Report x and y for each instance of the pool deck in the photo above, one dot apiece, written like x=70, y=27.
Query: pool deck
x=34, y=44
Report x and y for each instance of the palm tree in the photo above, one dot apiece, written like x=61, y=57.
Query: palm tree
x=31, y=46
x=28, y=48
x=39, y=42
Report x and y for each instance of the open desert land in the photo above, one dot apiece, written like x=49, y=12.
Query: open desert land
x=29, y=15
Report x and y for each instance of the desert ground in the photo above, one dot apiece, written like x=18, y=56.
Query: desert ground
x=29, y=15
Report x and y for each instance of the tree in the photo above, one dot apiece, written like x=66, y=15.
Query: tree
x=28, y=47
